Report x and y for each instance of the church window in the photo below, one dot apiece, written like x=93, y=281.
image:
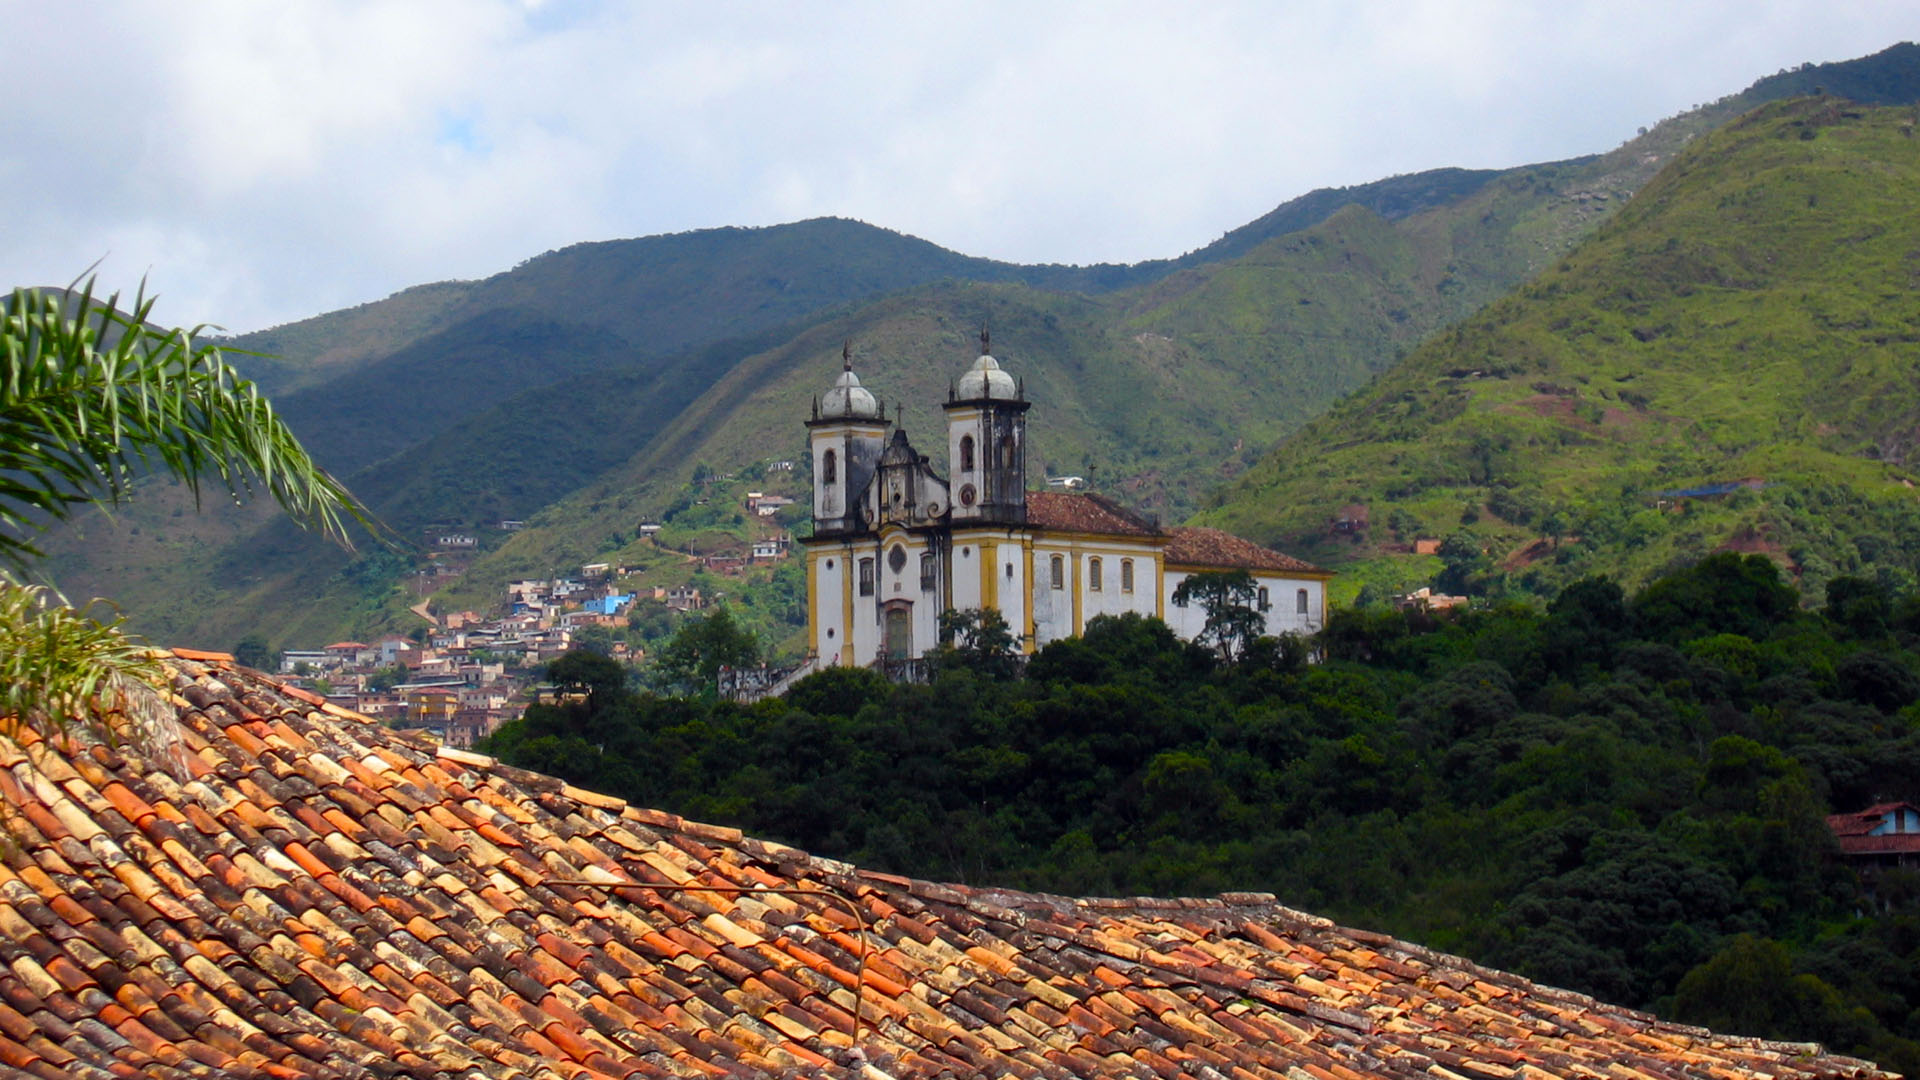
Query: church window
x=927, y=573
x=897, y=558
x=1093, y=575
x=829, y=468
x=1009, y=571
x=866, y=577
x=966, y=453
x=1300, y=602
x=1126, y=575
x=1057, y=571
x=1006, y=451
x=1266, y=602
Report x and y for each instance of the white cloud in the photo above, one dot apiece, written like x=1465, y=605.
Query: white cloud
x=269, y=161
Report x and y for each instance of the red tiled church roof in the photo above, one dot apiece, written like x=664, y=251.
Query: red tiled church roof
x=308, y=894
x=1195, y=546
x=1085, y=513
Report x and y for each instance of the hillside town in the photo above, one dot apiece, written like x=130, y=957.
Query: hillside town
x=467, y=673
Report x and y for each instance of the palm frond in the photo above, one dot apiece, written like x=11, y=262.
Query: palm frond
x=92, y=395
x=62, y=666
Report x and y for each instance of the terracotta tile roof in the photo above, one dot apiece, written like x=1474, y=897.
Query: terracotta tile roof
x=1853, y=831
x=311, y=895
x=1085, y=513
x=1194, y=546
x=1862, y=822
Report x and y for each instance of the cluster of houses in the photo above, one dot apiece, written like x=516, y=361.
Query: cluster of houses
x=448, y=684
x=471, y=673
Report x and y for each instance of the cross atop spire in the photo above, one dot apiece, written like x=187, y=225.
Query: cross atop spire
x=846, y=355
x=983, y=340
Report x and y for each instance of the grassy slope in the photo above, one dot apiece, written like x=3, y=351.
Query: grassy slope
x=1750, y=314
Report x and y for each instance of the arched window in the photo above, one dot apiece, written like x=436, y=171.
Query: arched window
x=866, y=577
x=966, y=453
x=929, y=572
x=1093, y=575
x=1006, y=451
x=1057, y=572
x=829, y=468
x=1300, y=602
x=1126, y=575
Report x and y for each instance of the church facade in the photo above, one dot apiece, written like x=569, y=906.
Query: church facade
x=895, y=544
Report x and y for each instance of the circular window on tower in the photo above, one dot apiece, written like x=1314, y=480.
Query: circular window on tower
x=966, y=494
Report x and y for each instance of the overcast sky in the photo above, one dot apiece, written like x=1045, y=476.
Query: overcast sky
x=265, y=161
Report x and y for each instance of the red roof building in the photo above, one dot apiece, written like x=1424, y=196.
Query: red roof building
x=1885, y=834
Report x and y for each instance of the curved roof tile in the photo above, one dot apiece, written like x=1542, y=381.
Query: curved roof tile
x=1199, y=546
x=308, y=894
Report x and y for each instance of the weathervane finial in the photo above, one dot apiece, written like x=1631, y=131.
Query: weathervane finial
x=846, y=355
x=983, y=340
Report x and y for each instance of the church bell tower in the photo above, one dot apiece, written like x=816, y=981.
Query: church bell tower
x=987, y=444
x=846, y=436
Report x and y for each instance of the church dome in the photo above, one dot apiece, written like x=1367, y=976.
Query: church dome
x=985, y=380
x=848, y=400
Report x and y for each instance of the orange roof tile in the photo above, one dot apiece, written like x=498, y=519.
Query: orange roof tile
x=1198, y=546
x=1087, y=513
x=444, y=916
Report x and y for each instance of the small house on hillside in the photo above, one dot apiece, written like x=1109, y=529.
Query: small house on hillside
x=1352, y=520
x=1886, y=834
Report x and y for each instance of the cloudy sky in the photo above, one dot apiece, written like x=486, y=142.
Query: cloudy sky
x=264, y=160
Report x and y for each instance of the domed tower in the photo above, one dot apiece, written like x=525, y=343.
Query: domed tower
x=846, y=436
x=987, y=444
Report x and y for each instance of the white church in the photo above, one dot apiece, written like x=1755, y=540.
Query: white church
x=894, y=544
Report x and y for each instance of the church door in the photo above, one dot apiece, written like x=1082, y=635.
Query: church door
x=899, y=633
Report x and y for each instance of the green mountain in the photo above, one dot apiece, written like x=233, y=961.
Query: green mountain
x=1749, y=319
x=580, y=389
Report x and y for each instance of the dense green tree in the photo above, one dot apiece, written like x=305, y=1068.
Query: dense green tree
x=600, y=678
x=1721, y=594
x=1749, y=988
x=254, y=652
x=978, y=639
x=691, y=661
x=1227, y=597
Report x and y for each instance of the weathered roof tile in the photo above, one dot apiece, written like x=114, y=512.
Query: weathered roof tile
x=318, y=893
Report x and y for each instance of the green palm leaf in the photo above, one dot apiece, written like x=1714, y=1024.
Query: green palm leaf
x=91, y=396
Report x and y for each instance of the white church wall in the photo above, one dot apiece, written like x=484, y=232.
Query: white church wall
x=829, y=606
x=1009, y=568
x=1052, y=608
x=966, y=576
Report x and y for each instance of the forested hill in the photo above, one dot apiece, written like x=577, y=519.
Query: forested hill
x=1620, y=795
x=1729, y=361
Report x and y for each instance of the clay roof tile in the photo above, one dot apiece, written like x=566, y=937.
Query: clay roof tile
x=360, y=898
